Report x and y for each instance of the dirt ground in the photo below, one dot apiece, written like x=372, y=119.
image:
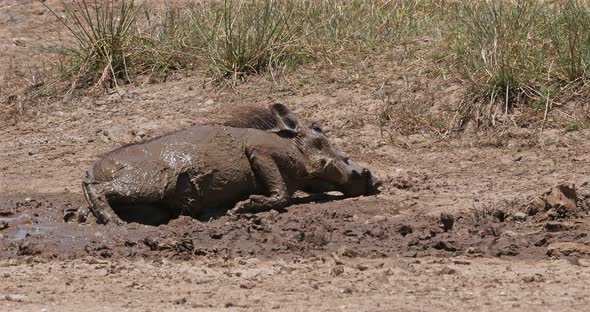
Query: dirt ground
x=485, y=222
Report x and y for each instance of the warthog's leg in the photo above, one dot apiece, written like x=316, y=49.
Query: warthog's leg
x=268, y=174
x=96, y=198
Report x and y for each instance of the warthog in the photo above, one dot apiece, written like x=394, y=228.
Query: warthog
x=251, y=163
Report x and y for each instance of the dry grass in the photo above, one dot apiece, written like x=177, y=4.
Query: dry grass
x=20, y=90
x=248, y=37
x=114, y=40
x=521, y=55
x=520, y=60
x=101, y=50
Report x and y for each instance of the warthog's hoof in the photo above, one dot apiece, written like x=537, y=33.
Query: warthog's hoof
x=79, y=215
x=82, y=214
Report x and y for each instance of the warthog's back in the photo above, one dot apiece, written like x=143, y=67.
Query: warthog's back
x=196, y=147
x=206, y=161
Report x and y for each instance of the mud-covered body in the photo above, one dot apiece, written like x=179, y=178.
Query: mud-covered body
x=206, y=170
x=201, y=171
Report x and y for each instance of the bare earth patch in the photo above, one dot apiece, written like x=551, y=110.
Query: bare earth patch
x=425, y=284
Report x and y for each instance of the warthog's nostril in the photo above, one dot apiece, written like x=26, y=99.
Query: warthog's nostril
x=375, y=184
x=366, y=172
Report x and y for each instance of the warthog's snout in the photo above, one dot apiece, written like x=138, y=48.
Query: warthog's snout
x=361, y=181
x=372, y=182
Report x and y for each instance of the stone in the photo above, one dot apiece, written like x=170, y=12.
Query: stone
x=519, y=216
x=117, y=134
x=337, y=270
x=562, y=198
x=568, y=248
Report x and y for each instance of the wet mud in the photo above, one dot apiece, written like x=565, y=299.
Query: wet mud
x=553, y=224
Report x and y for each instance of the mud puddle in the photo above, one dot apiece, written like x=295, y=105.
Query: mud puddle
x=550, y=225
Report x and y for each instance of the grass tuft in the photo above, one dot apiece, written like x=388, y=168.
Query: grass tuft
x=498, y=46
x=248, y=37
x=512, y=55
x=570, y=39
x=233, y=38
x=522, y=54
x=100, y=46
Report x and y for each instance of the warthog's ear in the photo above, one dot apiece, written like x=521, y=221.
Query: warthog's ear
x=286, y=120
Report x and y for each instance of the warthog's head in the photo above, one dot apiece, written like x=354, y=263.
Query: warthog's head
x=329, y=168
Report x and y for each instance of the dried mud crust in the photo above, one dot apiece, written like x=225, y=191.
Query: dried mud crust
x=553, y=224
x=318, y=284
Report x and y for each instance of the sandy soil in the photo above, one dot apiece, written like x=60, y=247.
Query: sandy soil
x=457, y=226
x=391, y=284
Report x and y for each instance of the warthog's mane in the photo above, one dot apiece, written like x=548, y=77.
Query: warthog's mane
x=257, y=118
x=239, y=117
x=251, y=117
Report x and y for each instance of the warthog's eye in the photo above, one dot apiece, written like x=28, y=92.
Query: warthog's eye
x=315, y=127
